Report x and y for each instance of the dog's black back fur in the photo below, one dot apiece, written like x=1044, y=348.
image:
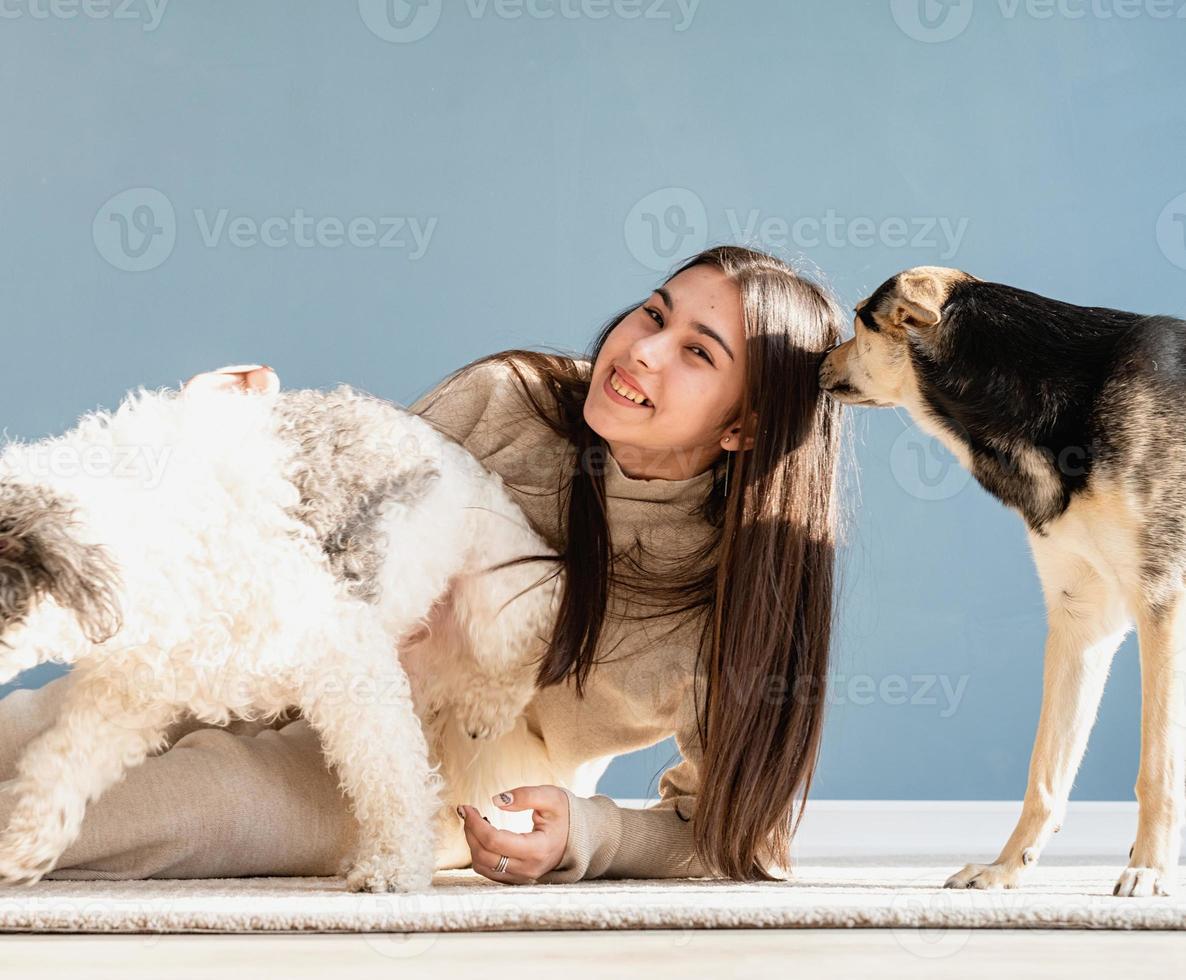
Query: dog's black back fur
x=1023, y=379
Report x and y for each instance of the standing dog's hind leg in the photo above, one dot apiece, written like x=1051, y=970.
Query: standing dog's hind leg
x=1161, y=780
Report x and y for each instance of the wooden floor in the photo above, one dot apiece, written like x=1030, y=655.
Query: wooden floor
x=880, y=954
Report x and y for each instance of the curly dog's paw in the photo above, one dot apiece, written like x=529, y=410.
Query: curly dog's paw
x=23, y=862
x=385, y=875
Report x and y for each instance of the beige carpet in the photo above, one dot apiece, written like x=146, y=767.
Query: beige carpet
x=902, y=895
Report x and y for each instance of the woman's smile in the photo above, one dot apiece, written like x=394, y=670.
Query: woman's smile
x=612, y=379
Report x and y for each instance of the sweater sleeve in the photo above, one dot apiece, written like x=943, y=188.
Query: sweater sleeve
x=463, y=405
x=609, y=841
x=474, y=407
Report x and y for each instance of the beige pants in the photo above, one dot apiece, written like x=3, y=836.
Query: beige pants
x=218, y=803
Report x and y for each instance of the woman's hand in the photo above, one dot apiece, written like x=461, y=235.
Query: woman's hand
x=247, y=377
x=532, y=854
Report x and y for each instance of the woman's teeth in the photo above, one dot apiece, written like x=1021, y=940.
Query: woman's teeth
x=626, y=392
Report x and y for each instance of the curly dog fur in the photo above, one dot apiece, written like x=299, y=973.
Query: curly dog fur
x=235, y=555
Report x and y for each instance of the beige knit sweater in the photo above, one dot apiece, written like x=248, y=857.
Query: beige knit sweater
x=640, y=692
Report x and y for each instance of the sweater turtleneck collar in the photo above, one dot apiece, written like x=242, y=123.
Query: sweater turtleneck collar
x=688, y=493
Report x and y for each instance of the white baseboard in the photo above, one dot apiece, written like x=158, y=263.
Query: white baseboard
x=964, y=830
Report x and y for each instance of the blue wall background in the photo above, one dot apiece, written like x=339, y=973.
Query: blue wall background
x=553, y=167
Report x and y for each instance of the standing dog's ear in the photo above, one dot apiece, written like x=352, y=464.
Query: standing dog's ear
x=917, y=301
x=39, y=555
x=919, y=294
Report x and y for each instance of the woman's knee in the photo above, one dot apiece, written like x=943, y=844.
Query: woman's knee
x=218, y=805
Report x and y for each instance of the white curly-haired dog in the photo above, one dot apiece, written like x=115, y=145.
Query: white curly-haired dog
x=228, y=554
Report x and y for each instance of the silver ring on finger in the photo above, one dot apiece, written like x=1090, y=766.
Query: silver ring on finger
x=502, y=864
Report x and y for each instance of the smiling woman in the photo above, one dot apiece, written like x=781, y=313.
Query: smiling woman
x=745, y=590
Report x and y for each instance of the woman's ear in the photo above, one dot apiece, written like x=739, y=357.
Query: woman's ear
x=732, y=434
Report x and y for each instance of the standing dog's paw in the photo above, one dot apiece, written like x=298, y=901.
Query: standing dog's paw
x=1139, y=882
x=985, y=876
x=375, y=875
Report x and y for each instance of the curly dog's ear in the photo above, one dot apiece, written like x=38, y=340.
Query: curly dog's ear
x=39, y=556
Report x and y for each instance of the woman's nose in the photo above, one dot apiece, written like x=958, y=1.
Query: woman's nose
x=649, y=352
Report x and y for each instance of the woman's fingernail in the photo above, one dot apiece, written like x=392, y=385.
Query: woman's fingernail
x=487, y=819
x=461, y=812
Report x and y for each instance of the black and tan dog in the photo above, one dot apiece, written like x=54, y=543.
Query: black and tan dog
x=1075, y=417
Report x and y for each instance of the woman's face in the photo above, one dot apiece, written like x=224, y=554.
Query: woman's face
x=684, y=350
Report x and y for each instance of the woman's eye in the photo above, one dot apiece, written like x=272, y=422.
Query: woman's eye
x=658, y=318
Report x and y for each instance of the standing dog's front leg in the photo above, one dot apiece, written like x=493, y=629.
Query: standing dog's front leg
x=1086, y=624
x=1161, y=780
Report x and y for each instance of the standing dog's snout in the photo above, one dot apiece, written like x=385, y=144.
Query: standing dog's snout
x=829, y=369
x=827, y=374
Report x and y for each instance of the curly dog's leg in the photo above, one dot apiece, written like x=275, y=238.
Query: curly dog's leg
x=104, y=729
x=506, y=616
x=358, y=699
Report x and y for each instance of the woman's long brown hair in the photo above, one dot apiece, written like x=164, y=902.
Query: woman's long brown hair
x=763, y=584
